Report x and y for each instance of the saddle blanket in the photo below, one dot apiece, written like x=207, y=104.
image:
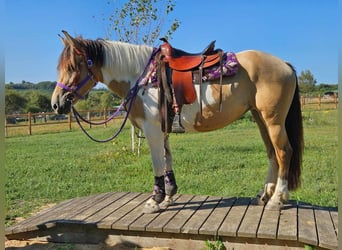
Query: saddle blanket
x=229, y=67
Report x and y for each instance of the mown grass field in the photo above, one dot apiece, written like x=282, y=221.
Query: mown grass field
x=51, y=167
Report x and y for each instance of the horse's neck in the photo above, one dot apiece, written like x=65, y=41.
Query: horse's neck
x=123, y=64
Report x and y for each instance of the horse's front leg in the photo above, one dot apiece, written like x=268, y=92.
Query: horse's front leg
x=164, y=181
x=169, y=177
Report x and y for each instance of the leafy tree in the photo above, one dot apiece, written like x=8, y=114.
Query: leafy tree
x=306, y=81
x=108, y=100
x=46, y=85
x=141, y=21
x=37, y=102
x=14, y=102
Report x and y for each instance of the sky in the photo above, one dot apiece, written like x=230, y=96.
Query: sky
x=302, y=32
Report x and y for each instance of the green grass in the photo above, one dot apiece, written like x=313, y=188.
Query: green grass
x=48, y=168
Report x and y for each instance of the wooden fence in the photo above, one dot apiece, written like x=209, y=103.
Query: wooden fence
x=319, y=102
x=24, y=123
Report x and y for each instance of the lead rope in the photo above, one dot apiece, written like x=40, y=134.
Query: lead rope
x=78, y=117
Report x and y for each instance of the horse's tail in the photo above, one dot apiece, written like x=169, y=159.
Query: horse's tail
x=294, y=130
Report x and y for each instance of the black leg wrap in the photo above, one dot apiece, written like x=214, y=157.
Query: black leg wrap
x=159, y=189
x=170, y=183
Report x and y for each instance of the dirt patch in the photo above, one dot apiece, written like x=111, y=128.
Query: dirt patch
x=43, y=245
x=38, y=245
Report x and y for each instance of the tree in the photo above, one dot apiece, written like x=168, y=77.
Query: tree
x=306, y=81
x=37, y=102
x=141, y=21
x=14, y=103
x=108, y=100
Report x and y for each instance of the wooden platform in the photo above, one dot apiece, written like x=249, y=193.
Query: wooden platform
x=117, y=218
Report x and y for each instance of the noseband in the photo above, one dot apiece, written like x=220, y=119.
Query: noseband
x=74, y=89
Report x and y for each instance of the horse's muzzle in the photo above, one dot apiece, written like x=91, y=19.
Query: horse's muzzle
x=61, y=104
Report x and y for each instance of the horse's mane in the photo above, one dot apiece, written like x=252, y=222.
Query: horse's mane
x=119, y=57
x=124, y=58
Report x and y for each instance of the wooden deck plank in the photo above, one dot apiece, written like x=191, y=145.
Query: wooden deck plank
x=306, y=224
x=287, y=229
x=116, y=211
x=108, y=209
x=213, y=223
x=231, y=223
x=96, y=207
x=334, y=217
x=269, y=224
x=94, y=215
x=125, y=221
x=76, y=206
x=159, y=222
x=193, y=225
x=177, y=222
x=133, y=209
x=144, y=220
x=250, y=222
x=42, y=216
x=79, y=206
x=325, y=228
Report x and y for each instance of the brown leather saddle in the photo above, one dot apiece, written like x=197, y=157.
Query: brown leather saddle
x=177, y=73
x=182, y=65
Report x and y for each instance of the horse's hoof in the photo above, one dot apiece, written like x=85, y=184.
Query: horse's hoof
x=151, y=207
x=277, y=206
x=261, y=199
x=257, y=201
x=168, y=201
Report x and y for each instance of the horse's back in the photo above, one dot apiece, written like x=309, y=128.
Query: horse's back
x=262, y=66
x=273, y=78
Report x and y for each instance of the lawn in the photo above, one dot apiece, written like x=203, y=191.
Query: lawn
x=47, y=168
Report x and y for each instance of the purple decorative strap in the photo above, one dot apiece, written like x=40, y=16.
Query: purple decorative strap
x=75, y=89
x=67, y=88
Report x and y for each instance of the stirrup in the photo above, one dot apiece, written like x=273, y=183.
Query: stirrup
x=176, y=125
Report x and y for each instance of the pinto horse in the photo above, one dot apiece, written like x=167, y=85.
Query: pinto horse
x=263, y=84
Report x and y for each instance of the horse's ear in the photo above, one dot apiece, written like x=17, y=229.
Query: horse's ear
x=72, y=41
x=62, y=39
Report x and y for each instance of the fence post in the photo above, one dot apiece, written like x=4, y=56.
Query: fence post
x=335, y=100
x=5, y=126
x=88, y=116
x=319, y=101
x=302, y=102
x=69, y=120
x=29, y=123
x=105, y=116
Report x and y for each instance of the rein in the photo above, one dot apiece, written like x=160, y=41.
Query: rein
x=129, y=99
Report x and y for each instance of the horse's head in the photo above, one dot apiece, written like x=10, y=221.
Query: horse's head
x=79, y=72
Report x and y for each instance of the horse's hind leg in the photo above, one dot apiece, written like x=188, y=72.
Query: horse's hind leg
x=283, y=152
x=271, y=179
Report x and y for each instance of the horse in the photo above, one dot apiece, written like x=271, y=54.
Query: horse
x=264, y=84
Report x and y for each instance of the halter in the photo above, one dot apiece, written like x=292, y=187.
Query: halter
x=77, y=87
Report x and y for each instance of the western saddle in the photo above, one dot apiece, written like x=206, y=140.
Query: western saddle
x=178, y=71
